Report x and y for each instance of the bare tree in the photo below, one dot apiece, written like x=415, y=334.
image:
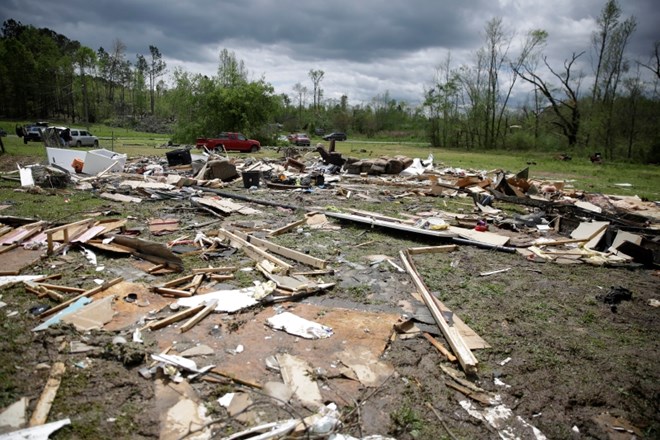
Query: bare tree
x=609, y=41
x=155, y=70
x=634, y=88
x=654, y=63
x=316, y=76
x=529, y=55
x=483, y=84
x=566, y=109
x=301, y=91
x=85, y=58
x=497, y=47
x=231, y=70
x=115, y=62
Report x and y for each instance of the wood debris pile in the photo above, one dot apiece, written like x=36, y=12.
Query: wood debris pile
x=562, y=225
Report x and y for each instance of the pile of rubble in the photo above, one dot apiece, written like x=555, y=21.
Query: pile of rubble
x=563, y=225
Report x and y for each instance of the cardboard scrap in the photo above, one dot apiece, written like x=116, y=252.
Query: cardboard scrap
x=92, y=316
x=370, y=371
x=486, y=237
x=160, y=226
x=296, y=374
x=591, y=232
x=198, y=350
x=622, y=237
x=71, y=308
x=180, y=411
x=236, y=404
x=13, y=417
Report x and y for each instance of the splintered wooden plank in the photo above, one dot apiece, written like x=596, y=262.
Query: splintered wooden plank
x=287, y=228
x=433, y=249
x=253, y=251
x=208, y=308
x=215, y=269
x=284, y=251
x=40, y=414
x=178, y=281
x=451, y=333
x=86, y=293
x=173, y=292
x=174, y=318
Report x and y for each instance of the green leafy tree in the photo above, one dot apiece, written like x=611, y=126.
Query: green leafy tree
x=206, y=106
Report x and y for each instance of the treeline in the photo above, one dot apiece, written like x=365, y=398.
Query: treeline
x=469, y=106
x=502, y=99
x=45, y=75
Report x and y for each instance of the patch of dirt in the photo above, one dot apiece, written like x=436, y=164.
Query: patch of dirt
x=8, y=162
x=560, y=357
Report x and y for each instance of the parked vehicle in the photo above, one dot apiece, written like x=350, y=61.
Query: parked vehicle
x=32, y=133
x=338, y=136
x=80, y=138
x=230, y=142
x=300, y=140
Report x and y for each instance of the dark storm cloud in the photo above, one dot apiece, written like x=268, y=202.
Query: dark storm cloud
x=365, y=46
x=350, y=30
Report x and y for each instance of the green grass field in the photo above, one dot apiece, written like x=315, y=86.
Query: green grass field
x=644, y=180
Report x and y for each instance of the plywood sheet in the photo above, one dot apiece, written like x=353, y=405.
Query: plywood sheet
x=369, y=331
x=481, y=237
x=128, y=313
x=18, y=259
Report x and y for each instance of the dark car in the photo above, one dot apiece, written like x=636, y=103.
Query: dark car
x=32, y=133
x=338, y=136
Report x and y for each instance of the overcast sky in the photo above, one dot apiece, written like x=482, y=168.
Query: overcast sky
x=365, y=47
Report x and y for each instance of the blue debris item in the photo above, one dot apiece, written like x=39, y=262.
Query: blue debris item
x=77, y=305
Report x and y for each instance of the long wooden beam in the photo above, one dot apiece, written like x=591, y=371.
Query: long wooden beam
x=86, y=293
x=253, y=251
x=284, y=251
x=208, y=308
x=173, y=318
x=458, y=345
x=40, y=413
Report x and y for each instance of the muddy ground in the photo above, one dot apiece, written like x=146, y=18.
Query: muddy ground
x=565, y=361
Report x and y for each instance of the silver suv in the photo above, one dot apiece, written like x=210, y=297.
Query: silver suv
x=81, y=138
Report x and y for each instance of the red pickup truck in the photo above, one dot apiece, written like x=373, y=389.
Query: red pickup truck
x=230, y=141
